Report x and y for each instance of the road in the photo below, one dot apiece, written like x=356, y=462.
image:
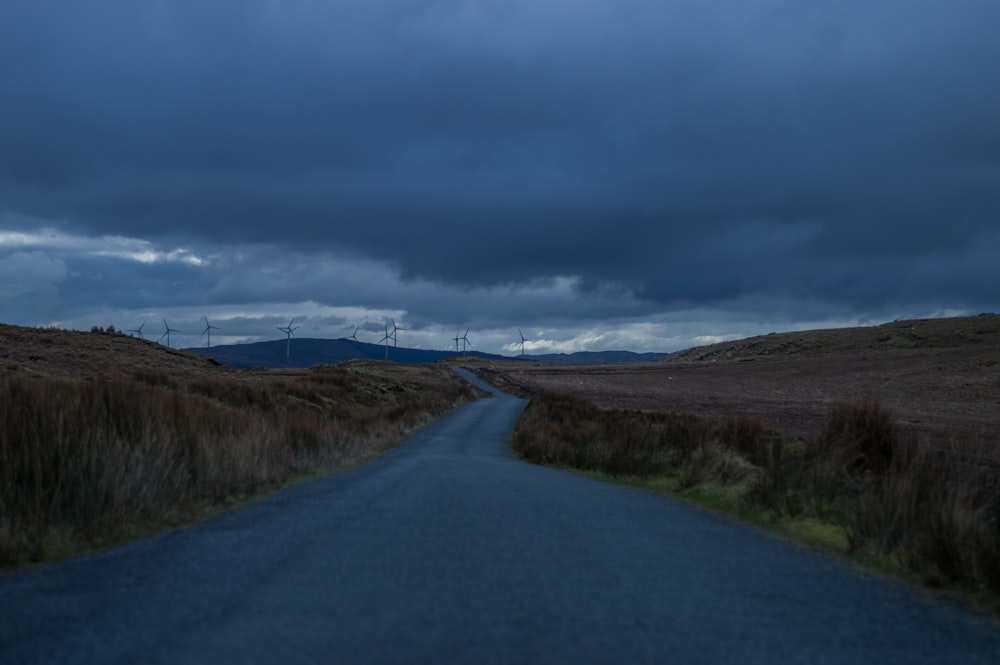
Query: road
x=449, y=550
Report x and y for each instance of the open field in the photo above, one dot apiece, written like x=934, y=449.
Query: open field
x=103, y=436
x=939, y=377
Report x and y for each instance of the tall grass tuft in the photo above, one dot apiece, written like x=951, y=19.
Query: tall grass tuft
x=935, y=515
x=862, y=435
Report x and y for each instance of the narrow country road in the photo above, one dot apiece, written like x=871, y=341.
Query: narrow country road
x=448, y=550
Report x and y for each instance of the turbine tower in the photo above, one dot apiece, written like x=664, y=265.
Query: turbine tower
x=208, y=331
x=523, y=340
x=465, y=340
x=386, y=340
x=167, y=332
x=289, y=330
x=138, y=331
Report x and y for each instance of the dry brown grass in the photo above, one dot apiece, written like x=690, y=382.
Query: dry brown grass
x=566, y=430
x=101, y=432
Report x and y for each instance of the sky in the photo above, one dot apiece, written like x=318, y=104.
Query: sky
x=646, y=175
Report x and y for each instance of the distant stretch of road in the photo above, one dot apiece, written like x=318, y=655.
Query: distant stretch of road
x=448, y=550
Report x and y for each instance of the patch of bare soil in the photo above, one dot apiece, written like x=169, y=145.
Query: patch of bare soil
x=940, y=377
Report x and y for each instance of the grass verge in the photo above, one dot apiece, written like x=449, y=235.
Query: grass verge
x=858, y=489
x=89, y=462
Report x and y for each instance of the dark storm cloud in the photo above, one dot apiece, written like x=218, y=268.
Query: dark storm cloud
x=685, y=153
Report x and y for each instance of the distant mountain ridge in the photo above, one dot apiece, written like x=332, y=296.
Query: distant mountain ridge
x=307, y=352
x=596, y=357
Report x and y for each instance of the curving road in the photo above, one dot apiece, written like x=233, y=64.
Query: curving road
x=449, y=550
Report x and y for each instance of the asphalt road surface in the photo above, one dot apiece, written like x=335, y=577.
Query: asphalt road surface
x=448, y=550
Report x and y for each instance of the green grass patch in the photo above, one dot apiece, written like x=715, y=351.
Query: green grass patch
x=729, y=501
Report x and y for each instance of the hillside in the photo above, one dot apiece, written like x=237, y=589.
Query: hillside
x=956, y=332
x=71, y=353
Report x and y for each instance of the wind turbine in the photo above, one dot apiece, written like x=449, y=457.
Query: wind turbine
x=386, y=340
x=355, y=335
x=138, y=331
x=289, y=330
x=394, y=329
x=457, y=338
x=208, y=331
x=465, y=340
x=523, y=340
x=167, y=332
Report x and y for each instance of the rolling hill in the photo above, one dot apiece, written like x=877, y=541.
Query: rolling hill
x=955, y=332
x=306, y=352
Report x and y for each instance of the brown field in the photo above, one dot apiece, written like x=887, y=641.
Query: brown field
x=939, y=377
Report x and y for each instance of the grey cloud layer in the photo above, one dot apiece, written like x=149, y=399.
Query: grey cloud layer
x=686, y=153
